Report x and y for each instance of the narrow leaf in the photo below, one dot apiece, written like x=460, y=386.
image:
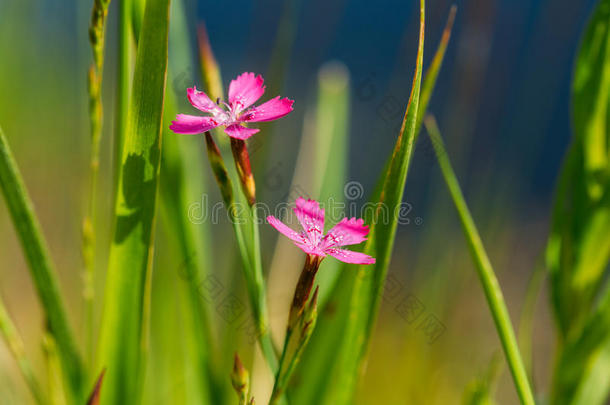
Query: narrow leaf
x=491, y=287
x=41, y=267
x=126, y=301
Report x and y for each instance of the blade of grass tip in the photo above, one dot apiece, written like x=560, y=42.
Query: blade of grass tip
x=97, y=30
x=429, y=82
x=41, y=267
x=485, y=271
x=94, y=398
x=15, y=344
x=427, y=90
x=122, y=332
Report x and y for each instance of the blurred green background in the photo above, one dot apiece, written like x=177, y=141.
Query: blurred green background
x=502, y=100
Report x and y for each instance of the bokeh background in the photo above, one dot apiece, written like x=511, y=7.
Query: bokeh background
x=502, y=102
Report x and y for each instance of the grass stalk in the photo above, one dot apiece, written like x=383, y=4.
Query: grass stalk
x=97, y=30
x=41, y=267
x=491, y=287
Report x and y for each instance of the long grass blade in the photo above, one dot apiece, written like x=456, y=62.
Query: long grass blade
x=182, y=182
x=41, y=267
x=488, y=279
x=578, y=249
x=124, y=319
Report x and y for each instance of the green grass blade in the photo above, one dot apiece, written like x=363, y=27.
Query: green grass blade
x=429, y=82
x=126, y=303
x=41, y=267
x=15, y=344
x=578, y=249
x=331, y=376
x=488, y=279
x=427, y=90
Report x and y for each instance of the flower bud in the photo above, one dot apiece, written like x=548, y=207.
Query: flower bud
x=242, y=164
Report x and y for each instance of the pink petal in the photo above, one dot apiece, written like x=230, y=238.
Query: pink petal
x=285, y=229
x=347, y=232
x=240, y=132
x=191, y=124
x=271, y=110
x=202, y=102
x=348, y=256
x=311, y=218
x=308, y=248
x=245, y=90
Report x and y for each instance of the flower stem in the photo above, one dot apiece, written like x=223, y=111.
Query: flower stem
x=250, y=257
x=301, y=322
x=491, y=287
x=260, y=309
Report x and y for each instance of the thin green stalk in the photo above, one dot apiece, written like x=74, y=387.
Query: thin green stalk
x=488, y=279
x=41, y=267
x=97, y=30
x=15, y=345
x=250, y=254
x=261, y=294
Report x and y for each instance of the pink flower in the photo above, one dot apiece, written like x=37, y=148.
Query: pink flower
x=243, y=92
x=312, y=239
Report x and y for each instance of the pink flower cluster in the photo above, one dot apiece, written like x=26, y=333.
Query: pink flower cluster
x=244, y=91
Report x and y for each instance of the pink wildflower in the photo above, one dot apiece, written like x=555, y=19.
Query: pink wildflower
x=312, y=240
x=243, y=92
